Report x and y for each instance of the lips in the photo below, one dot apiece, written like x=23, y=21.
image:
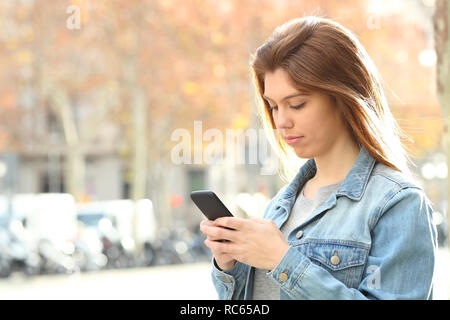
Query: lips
x=292, y=139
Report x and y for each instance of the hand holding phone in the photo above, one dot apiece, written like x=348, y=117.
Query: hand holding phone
x=211, y=206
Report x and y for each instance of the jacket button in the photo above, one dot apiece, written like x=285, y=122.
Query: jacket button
x=335, y=260
x=225, y=279
x=283, y=276
x=299, y=234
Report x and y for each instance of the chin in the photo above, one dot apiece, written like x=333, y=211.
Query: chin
x=304, y=154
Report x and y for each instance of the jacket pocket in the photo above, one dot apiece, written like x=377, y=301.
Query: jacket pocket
x=343, y=259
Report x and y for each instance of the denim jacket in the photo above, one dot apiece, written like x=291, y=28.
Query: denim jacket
x=373, y=239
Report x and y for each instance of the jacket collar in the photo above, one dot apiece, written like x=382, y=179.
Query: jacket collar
x=353, y=186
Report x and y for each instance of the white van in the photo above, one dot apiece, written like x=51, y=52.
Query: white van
x=53, y=217
x=49, y=216
x=122, y=213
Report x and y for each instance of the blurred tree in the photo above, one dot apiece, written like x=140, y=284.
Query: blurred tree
x=149, y=67
x=442, y=42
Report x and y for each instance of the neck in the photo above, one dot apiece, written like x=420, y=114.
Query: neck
x=334, y=165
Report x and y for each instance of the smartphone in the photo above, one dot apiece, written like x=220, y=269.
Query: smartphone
x=209, y=204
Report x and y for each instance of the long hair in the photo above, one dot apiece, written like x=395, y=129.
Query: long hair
x=321, y=55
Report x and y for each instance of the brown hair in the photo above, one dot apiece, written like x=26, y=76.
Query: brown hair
x=321, y=55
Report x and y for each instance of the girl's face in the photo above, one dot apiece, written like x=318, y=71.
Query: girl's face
x=308, y=121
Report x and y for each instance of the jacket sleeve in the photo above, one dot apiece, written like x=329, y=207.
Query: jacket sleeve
x=400, y=262
x=231, y=285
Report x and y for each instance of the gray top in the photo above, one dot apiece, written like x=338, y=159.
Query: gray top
x=264, y=287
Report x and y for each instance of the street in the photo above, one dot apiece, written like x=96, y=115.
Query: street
x=188, y=281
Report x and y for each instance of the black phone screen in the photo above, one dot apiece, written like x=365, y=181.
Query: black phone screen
x=209, y=204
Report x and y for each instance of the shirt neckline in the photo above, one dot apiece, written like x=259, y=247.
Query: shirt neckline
x=320, y=190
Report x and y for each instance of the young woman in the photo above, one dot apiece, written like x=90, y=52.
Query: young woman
x=353, y=223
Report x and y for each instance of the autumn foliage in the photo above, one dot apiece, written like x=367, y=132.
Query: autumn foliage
x=190, y=59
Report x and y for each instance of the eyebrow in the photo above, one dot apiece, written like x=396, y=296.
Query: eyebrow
x=288, y=97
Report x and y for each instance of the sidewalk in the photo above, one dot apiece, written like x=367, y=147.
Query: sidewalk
x=442, y=275
x=189, y=281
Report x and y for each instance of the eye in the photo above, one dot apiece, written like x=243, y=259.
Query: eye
x=298, y=106
x=271, y=109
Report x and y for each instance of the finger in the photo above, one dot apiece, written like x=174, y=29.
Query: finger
x=218, y=233
x=222, y=248
x=206, y=223
x=206, y=230
x=214, y=238
x=230, y=222
x=217, y=247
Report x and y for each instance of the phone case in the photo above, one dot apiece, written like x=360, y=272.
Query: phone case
x=209, y=204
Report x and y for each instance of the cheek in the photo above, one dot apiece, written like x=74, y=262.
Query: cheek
x=331, y=129
x=311, y=123
x=322, y=126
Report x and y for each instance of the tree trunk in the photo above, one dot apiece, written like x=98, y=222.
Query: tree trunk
x=139, y=182
x=75, y=171
x=74, y=162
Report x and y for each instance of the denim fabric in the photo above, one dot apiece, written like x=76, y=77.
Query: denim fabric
x=372, y=239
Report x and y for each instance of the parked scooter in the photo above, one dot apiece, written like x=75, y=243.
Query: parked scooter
x=5, y=258
x=165, y=249
x=117, y=256
x=17, y=252
x=180, y=246
x=54, y=259
x=88, y=249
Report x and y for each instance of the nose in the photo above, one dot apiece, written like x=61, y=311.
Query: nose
x=282, y=119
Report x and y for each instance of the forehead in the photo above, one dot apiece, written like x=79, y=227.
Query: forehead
x=278, y=84
x=277, y=79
